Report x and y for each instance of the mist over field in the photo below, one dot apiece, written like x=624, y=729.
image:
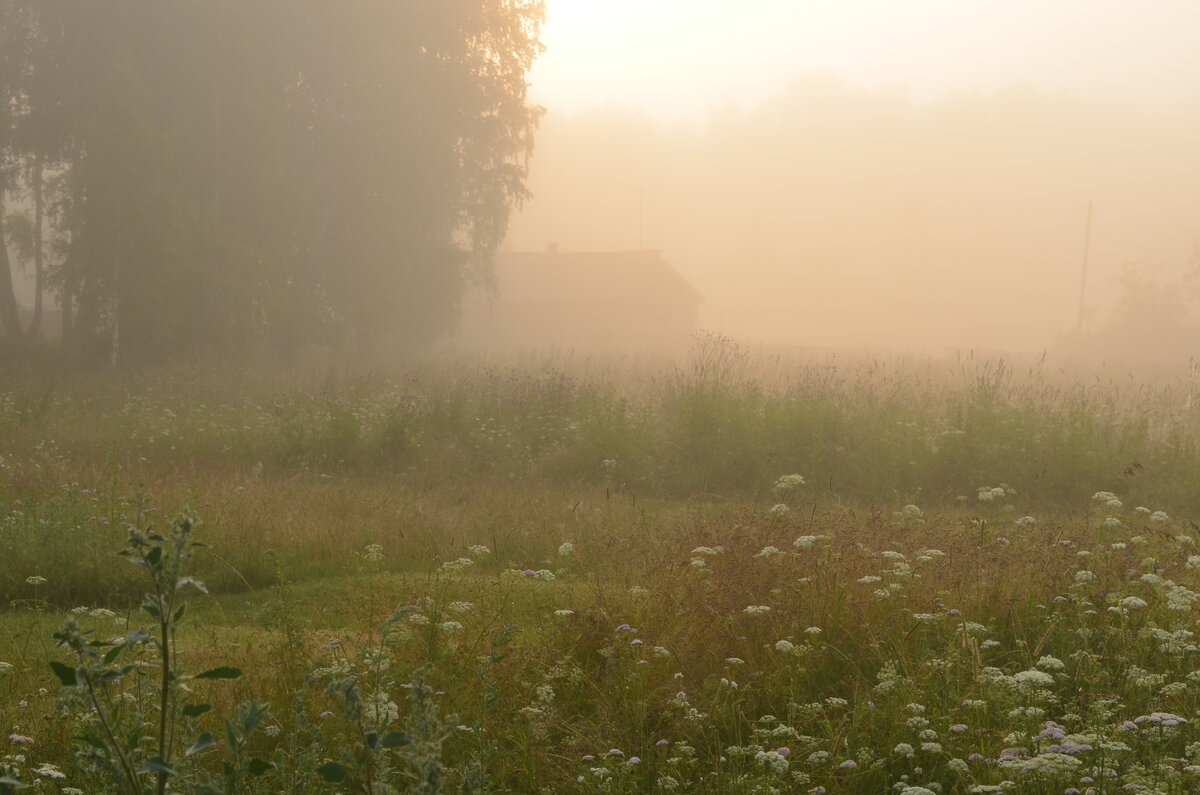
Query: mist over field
x=579, y=397
x=830, y=215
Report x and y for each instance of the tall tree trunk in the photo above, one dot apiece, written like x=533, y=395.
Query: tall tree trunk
x=70, y=266
x=39, y=264
x=9, y=318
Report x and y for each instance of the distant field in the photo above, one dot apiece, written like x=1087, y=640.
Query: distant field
x=741, y=574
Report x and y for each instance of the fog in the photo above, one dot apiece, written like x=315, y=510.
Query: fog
x=834, y=215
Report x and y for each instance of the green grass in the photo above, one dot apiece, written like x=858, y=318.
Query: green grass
x=882, y=647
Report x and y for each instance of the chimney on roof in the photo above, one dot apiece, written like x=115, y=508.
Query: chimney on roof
x=551, y=248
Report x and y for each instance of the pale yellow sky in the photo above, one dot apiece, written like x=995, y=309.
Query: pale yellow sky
x=685, y=58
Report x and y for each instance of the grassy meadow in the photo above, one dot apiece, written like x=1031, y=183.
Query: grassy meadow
x=738, y=574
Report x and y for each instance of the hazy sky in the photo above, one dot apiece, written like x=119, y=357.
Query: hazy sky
x=821, y=210
x=686, y=57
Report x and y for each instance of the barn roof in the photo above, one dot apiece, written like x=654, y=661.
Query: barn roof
x=598, y=275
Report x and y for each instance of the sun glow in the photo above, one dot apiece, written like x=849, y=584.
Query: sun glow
x=686, y=57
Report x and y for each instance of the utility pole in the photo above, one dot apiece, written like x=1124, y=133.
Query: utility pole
x=1087, y=245
x=641, y=224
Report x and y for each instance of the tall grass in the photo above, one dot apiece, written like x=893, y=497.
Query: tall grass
x=585, y=577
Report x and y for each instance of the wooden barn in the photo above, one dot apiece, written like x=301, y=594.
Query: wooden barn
x=627, y=301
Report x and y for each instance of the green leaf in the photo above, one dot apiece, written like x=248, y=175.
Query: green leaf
x=396, y=739
x=257, y=767
x=331, y=772
x=203, y=743
x=137, y=636
x=371, y=739
x=154, y=556
x=64, y=672
x=192, y=581
x=224, y=672
x=195, y=710
x=179, y=613
x=112, y=654
x=156, y=764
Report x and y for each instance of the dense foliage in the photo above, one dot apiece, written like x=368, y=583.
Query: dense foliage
x=193, y=177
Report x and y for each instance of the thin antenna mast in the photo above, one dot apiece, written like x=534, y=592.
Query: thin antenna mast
x=1087, y=245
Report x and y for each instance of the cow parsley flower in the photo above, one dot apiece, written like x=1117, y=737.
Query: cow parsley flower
x=788, y=483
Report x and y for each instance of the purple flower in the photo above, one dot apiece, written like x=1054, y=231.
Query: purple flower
x=633, y=760
x=624, y=628
x=849, y=764
x=784, y=751
x=616, y=752
x=1012, y=754
x=661, y=743
x=958, y=728
x=529, y=572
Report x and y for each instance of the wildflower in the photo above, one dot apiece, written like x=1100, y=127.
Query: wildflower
x=804, y=542
x=35, y=579
x=1111, y=523
x=615, y=752
x=1159, y=516
x=5, y=667
x=756, y=610
x=785, y=646
x=1048, y=663
x=769, y=552
x=779, y=511
x=1132, y=603
x=1160, y=718
x=373, y=553
x=708, y=552
x=460, y=607
x=849, y=764
x=958, y=728
x=49, y=771
x=458, y=565
x=563, y=613
x=566, y=549
x=813, y=630
x=1032, y=679
x=545, y=575
x=478, y=550
x=870, y=579
x=661, y=743
x=633, y=760
x=903, y=749
x=451, y=626
x=772, y=759
x=788, y=483
x=20, y=739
